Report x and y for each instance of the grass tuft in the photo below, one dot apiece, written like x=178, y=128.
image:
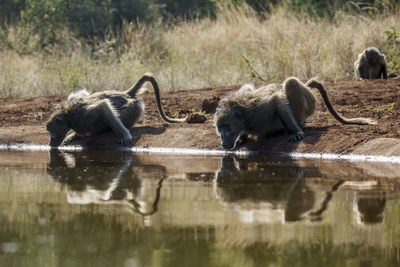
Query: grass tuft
x=199, y=53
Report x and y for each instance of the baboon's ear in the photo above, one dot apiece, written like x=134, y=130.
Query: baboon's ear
x=60, y=117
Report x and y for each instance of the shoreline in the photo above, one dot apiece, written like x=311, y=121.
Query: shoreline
x=22, y=122
x=205, y=152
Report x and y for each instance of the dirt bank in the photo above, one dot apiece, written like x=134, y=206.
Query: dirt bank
x=23, y=120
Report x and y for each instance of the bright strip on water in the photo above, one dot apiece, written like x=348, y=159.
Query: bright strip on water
x=206, y=152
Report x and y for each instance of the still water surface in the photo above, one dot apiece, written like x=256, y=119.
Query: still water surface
x=120, y=209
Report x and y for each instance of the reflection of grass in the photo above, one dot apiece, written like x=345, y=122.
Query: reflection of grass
x=23, y=202
x=204, y=53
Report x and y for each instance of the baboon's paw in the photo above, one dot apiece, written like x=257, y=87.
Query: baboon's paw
x=70, y=138
x=125, y=141
x=296, y=137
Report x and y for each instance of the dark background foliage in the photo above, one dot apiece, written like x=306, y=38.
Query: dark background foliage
x=92, y=18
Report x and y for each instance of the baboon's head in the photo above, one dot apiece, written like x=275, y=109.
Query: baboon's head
x=229, y=122
x=57, y=126
x=372, y=54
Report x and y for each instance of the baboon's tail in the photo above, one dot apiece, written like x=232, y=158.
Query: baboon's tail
x=148, y=77
x=360, y=121
x=139, y=84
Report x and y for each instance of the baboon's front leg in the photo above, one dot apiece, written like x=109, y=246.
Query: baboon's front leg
x=114, y=122
x=70, y=138
x=242, y=139
x=384, y=71
x=285, y=114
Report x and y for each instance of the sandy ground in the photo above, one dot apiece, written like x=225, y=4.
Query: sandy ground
x=23, y=121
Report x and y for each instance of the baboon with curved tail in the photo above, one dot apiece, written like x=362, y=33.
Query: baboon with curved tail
x=272, y=108
x=371, y=64
x=89, y=114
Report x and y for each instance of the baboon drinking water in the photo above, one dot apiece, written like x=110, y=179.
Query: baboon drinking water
x=371, y=64
x=88, y=114
x=271, y=108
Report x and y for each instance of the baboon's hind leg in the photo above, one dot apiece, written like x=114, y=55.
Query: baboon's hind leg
x=106, y=110
x=301, y=100
x=284, y=111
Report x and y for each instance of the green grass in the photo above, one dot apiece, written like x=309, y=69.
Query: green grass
x=195, y=54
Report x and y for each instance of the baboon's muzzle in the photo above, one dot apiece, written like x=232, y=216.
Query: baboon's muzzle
x=228, y=144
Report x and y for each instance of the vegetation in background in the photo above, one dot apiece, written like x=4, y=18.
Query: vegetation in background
x=55, y=46
x=392, y=44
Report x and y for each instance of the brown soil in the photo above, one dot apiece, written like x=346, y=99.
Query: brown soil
x=23, y=120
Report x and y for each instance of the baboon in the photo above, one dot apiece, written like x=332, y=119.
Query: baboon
x=270, y=109
x=88, y=114
x=371, y=64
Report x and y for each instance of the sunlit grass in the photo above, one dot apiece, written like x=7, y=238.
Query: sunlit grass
x=194, y=54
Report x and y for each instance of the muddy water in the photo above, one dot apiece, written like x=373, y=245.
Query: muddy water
x=121, y=209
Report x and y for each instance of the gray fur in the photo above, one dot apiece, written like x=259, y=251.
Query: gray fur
x=270, y=109
x=81, y=94
x=89, y=114
x=371, y=64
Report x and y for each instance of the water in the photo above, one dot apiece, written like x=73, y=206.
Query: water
x=110, y=208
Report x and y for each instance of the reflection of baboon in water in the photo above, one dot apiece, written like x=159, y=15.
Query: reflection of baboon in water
x=371, y=64
x=79, y=171
x=281, y=186
x=92, y=180
x=89, y=114
x=270, y=109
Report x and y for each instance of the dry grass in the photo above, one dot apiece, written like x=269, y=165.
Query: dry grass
x=196, y=54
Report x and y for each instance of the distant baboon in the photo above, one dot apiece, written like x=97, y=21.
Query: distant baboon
x=88, y=114
x=370, y=206
x=269, y=109
x=371, y=64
